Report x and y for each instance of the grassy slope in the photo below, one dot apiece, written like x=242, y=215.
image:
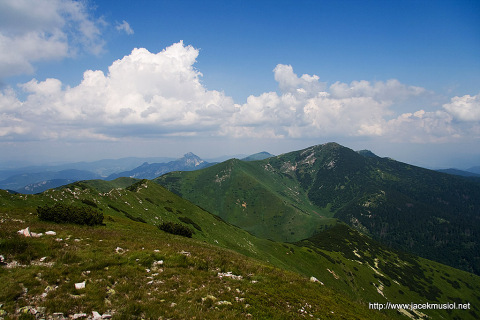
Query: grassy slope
x=362, y=279
x=422, y=211
x=265, y=203
x=128, y=285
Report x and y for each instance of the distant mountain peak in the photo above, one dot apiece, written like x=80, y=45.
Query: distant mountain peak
x=190, y=155
x=192, y=159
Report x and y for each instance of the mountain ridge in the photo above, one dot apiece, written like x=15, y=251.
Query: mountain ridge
x=354, y=270
x=373, y=194
x=188, y=162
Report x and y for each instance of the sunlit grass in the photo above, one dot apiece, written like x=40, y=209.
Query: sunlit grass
x=120, y=264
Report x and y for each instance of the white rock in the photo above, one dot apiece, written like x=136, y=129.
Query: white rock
x=25, y=232
x=51, y=233
x=79, y=315
x=229, y=274
x=313, y=279
x=96, y=315
x=80, y=285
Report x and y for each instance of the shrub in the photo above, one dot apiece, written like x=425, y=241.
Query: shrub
x=176, y=228
x=136, y=186
x=187, y=220
x=138, y=219
x=90, y=203
x=64, y=213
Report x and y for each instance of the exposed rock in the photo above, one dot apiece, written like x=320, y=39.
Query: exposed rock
x=51, y=233
x=209, y=297
x=313, y=279
x=24, y=310
x=158, y=263
x=25, y=232
x=229, y=274
x=79, y=315
x=96, y=315
x=80, y=285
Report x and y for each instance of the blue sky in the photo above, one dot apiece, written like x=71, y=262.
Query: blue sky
x=401, y=78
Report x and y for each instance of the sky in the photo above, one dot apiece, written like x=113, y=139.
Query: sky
x=89, y=80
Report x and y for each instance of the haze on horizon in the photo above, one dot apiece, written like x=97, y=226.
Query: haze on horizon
x=90, y=80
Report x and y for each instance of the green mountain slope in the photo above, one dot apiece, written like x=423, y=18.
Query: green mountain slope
x=253, y=196
x=287, y=198
x=124, y=278
x=353, y=270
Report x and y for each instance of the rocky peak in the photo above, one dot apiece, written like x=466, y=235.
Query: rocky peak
x=192, y=159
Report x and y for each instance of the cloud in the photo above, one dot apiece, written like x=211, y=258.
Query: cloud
x=124, y=26
x=423, y=127
x=466, y=108
x=305, y=108
x=289, y=82
x=389, y=91
x=40, y=30
x=147, y=94
x=142, y=93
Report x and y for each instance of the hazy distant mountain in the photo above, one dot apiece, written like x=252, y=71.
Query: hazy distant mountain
x=225, y=157
x=104, y=167
x=147, y=170
x=43, y=186
x=258, y=156
x=467, y=174
x=19, y=181
x=291, y=196
x=475, y=169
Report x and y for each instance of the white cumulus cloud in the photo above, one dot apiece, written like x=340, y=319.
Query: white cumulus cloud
x=307, y=108
x=147, y=94
x=465, y=108
x=39, y=30
x=142, y=94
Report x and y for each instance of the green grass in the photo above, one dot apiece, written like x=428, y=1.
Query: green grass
x=129, y=285
x=295, y=195
x=188, y=281
x=269, y=205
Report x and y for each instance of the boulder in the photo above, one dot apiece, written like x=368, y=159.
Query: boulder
x=25, y=232
x=80, y=285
